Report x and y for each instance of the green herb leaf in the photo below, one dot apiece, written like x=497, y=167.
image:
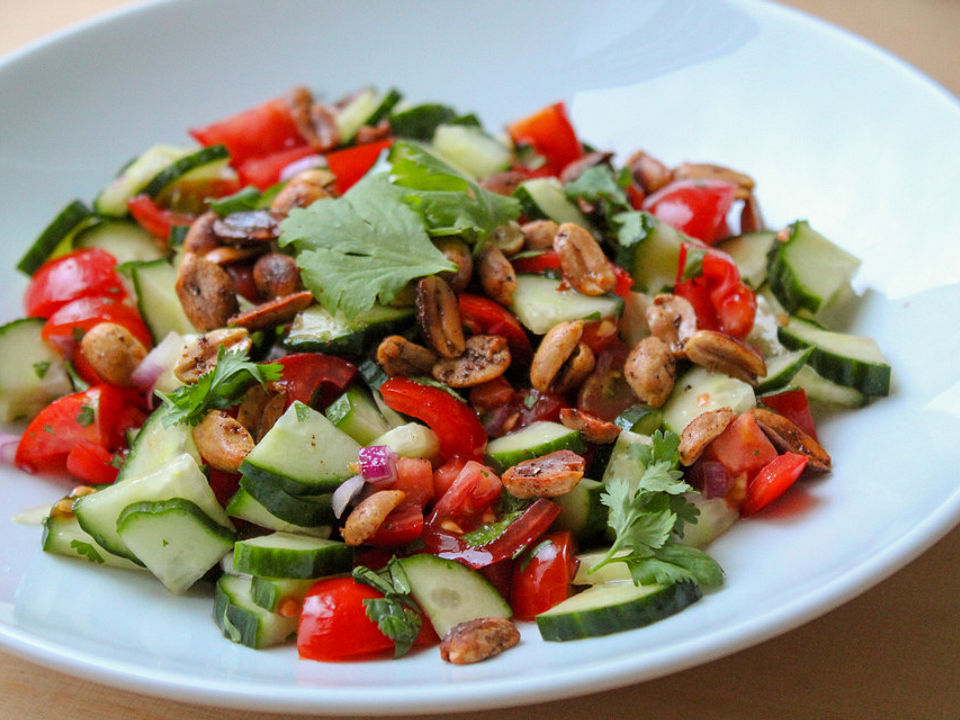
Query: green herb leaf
x=48, y=429
x=86, y=416
x=598, y=186
x=218, y=388
x=488, y=532
x=85, y=549
x=79, y=384
x=396, y=614
x=247, y=198
x=361, y=248
x=40, y=368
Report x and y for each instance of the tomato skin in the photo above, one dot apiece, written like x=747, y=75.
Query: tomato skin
x=261, y=130
x=224, y=484
x=551, y=134
x=624, y=281
x=598, y=335
x=491, y=394
x=65, y=325
x=263, y=171
x=543, y=574
x=720, y=299
x=351, y=164
x=794, y=406
x=475, y=489
x=81, y=273
x=415, y=478
x=154, y=219
x=445, y=475
x=402, y=526
x=315, y=379
x=334, y=623
x=742, y=447
x=538, y=264
x=92, y=464
x=483, y=315
x=696, y=207
x=772, y=481
x=457, y=426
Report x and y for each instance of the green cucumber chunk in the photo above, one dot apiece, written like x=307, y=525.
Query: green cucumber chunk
x=651, y=252
x=625, y=463
x=536, y=440
x=781, y=369
x=715, y=518
x=207, y=162
x=126, y=241
x=157, y=300
x=641, y=419
x=243, y=621
x=750, y=252
x=112, y=200
x=614, y=607
x=819, y=388
x=245, y=506
x=300, y=510
x=316, y=330
x=582, y=512
x=175, y=539
x=366, y=107
x=156, y=445
x=356, y=414
x=57, y=238
x=450, y=593
x=540, y=302
x=32, y=374
x=64, y=536
x=545, y=199
x=286, y=555
x=411, y=440
x=613, y=572
x=698, y=391
x=269, y=593
x=471, y=150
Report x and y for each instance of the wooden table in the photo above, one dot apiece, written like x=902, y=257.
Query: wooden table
x=892, y=653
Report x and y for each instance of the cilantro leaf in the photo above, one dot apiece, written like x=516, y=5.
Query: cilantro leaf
x=218, y=388
x=40, y=368
x=598, y=186
x=85, y=549
x=361, y=248
x=396, y=614
x=86, y=416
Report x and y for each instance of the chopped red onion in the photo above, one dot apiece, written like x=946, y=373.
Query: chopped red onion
x=378, y=463
x=8, y=448
x=157, y=361
x=345, y=492
x=711, y=478
x=305, y=163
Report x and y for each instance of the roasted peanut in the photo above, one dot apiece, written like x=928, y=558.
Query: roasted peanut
x=276, y=275
x=486, y=357
x=561, y=362
x=479, y=639
x=225, y=255
x=399, y=356
x=300, y=100
x=751, y=218
x=709, y=171
x=200, y=354
x=539, y=234
x=372, y=133
x=369, y=515
x=303, y=190
x=222, y=441
x=718, y=352
x=584, y=265
x=247, y=228
x=575, y=169
x=592, y=428
x=438, y=315
x=273, y=312
x=503, y=183
x=788, y=437
x=112, y=351
x=325, y=125
x=672, y=319
x=497, y=276
x=200, y=238
x=509, y=238
x=457, y=252
x=547, y=476
x=701, y=431
x=260, y=409
x=649, y=173
x=651, y=371
x=206, y=292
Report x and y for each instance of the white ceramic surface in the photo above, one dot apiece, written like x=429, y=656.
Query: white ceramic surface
x=832, y=129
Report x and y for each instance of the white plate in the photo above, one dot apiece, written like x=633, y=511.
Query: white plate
x=832, y=129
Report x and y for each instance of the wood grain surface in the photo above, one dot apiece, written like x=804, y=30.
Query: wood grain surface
x=893, y=653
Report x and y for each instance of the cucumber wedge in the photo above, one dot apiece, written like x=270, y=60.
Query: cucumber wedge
x=285, y=555
x=819, y=388
x=245, y=506
x=156, y=445
x=613, y=572
x=207, y=161
x=545, y=199
x=32, y=374
x=541, y=302
x=614, y=607
x=535, y=440
x=750, y=252
x=411, y=440
x=57, y=238
x=269, y=593
x=366, y=107
x=582, y=513
x=126, y=241
x=471, y=149
x=243, y=621
x=316, y=330
x=112, y=200
x=781, y=369
x=64, y=536
x=157, y=300
x=356, y=414
x=311, y=511
x=698, y=391
x=651, y=255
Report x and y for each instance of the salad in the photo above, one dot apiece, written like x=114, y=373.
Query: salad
x=382, y=379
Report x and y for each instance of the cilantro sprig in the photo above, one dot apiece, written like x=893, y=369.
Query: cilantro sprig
x=396, y=614
x=217, y=389
x=647, y=516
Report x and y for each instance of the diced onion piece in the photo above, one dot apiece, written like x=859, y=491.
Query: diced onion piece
x=8, y=448
x=305, y=163
x=378, y=463
x=157, y=361
x=345, y=492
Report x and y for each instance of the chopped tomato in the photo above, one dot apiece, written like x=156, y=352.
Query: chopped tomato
x=624, y=281
x=605, y=393
x=462, y=505
x=402, y=526
x=742, y=447
x=772, y=481
x=334, y=623
x=543, y=574
x=351, y=164
x=551, y=134
x=635, y=196
x=93, y=464
x=546, y=261
x=81, y=273
x=415, y=478
x=719, y=297
x=154, y=219
x=263, y=171
x=696, y=207
x=500, y=575
x=519, y=534
x=224, y=484
x=444, y=476
x=261, y=130
x=794, y=406
x=64, y=329
x=599, y=334
x=315, y=379
x=491, y=394
x=96, y=416
x=457, y=426
x=483, y=315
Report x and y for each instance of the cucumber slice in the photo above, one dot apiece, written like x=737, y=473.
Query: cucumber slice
x=32, y=375
x=819, y=388
x=366, y=107
x=303, y=453
x=450, y=593
x=316, y=330
x=641, y=419
x=582, y=513
x=698, y=391
x=716, y=517
x=471, y=149
x=541, y=302
x=112, y=200
x=303, y=511
x=614, y=607
x=175, y=539
x=652, y=255
x=205, y=162
x=625, y=463
x=157, y=300
x=243, y=621
x=613, y=572
x=851, y=360
x=64, y=536
x=285, y=555
x=633, y=322
x=245, y=506
x=356, y=414
x=545, y=199
x=180, y=478
x=781, y=369
x=535, y=440
x=57, y=238
x=750, y=252
x=126, y=241
x=268, y=593
x=808, y=271
x=156, y=445
x=411, y=440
